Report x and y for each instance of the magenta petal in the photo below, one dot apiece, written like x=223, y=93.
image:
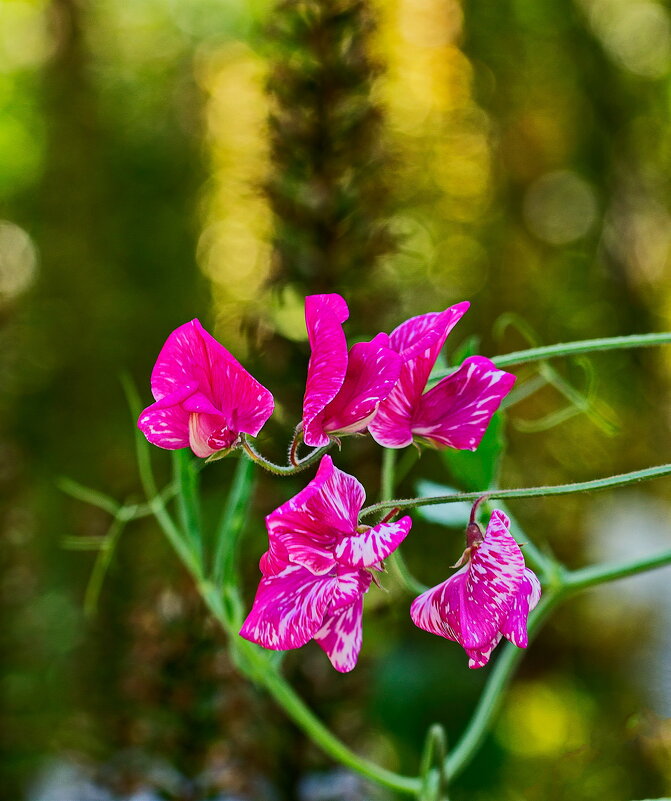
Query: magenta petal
x=478, y=658
x=182, y=360
x=391, y=426
x=309, y=525
x=374, y=545
x=341, y=635
x=351, y=585
x=495, y=572
x=489, y=597
x=526, y=598
x=372, y=372
x=438, y=610
x=418, y=341
x=288, y=609
x=193, y=365
x=324, y=316
x=406, y=336
x=456, y=412
x=165, y=426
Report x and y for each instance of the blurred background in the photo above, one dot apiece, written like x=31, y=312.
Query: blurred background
x=167, y=159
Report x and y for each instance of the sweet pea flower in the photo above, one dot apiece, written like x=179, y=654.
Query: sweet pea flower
x=489, y=598
x=456, y=411
x=204, y=397
x=343, y=389
x=318, y=568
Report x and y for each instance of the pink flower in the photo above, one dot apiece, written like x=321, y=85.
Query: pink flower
x=343, y=390
x=317, y=568
x=457, y=410
x=489, y=598
x=204, y=397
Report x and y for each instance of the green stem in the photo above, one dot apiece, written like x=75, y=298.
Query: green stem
x=530, y=492
x=396, y=560
x=101, y=566
x=581, y=346
x=576, y=580
x=258, y=667
x=279, y=469
x=492, y=696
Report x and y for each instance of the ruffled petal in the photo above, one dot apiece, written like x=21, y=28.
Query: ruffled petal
x=193, y=358
x=310, y=524
x=374, y=545
x=438, y=610
x=372, y=371
x=495, y=573
x=341, y=635
x=525, y=599
x=351, y=585
x=182, y=360
x=165, y=426
x=478, y=658
x=288, y=609
x=324, y=316
x=418, y=341
x=456, y=412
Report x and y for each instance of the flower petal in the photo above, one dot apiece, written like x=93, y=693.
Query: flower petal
x=372, y=371
x=182, y=360
x=192, y=357
x=526, y=598
x=373, y=545
x=289, y=608
x=478, y=658
x=324, y=316
x=165, y=426
x=310, y=524
x=352, y=584
x=495, y=572
x=341, y=635
x=456, y=412
x=438, y=610
x=418, y=341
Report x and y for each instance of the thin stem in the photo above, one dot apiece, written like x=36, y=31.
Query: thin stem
x=258, y=667
x=492, y=696
x=101, y=566
x=396, y=560
x=155, y=500
x=586, y=577
x=279, y=469
x=529, y=492
x=295, y=443
x=582, y=346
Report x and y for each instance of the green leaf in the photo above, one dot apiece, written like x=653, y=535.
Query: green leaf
x=186, y=479
x=474, y=470
x=231, y=526
x=469, y=347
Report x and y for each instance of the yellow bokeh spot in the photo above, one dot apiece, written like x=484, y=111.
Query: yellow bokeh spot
x=543, y=720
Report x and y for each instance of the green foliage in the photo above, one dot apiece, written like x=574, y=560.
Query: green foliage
x=474, y=470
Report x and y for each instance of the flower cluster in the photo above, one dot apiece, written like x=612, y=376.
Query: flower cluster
x=320, y=560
